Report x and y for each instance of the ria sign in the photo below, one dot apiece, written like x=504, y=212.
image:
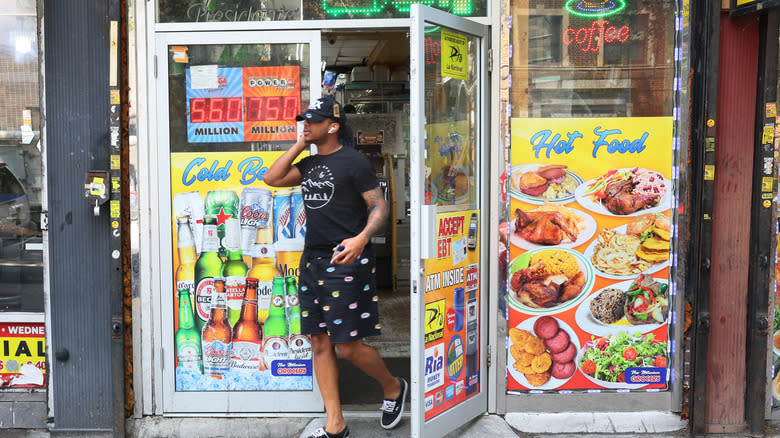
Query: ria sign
x=594, y=8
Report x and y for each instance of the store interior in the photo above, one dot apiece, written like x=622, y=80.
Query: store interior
x=368, y=73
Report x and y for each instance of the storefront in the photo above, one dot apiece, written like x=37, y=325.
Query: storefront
x=530, y=155
x=23, y=376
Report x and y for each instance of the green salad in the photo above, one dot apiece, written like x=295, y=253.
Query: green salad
x=608, y=358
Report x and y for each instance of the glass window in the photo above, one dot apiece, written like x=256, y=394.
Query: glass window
x=206, y=118
x=282, y=10
x=590, y=131
x=21, y=248
x=451, y=97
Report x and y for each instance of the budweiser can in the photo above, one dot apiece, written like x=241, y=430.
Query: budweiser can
x=298, y=221
x=282, y=215
x=190, y=204
x=254, y=211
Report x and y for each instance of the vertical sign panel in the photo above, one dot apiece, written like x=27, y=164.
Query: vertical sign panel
x=452, y=313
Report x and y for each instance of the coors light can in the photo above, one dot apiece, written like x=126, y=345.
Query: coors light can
x=254, y=211
x=298, y=221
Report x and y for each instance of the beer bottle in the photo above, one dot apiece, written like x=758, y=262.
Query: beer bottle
x=188, y=347
x=185, y=273
x=264, y=269
x=208, y=266
x=234, y=270
x=275, y=327
x=223, y=204
x=299, y=345
x=245, y=353
x=216, y=335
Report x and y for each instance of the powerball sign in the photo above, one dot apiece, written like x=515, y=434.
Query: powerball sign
x=242, y=104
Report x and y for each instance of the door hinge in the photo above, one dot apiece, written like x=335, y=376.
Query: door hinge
x=44, y=220
x=490, y=60
x=162, y=358
x=155, y=65
x=489, y=356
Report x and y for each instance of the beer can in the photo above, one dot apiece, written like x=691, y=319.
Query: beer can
x=254, y=211
x=190, y=204
x=224, y=205
x=282, y=215
x=298, y=221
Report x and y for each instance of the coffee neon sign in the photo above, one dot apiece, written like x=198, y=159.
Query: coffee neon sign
x=589, y=39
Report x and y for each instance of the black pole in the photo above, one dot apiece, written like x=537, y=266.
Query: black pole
x=705, y=36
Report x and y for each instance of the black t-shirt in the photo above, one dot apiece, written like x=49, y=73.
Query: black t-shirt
x=332, y=188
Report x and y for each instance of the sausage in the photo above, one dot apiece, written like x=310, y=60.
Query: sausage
x=546, y=327
x=557, y=343
x=562, y=370
x=566, y=355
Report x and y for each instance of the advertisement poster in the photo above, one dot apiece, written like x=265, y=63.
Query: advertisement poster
x=449, y=164
x=452, y=313
x=588, y=276
x=231, y=333
x=236, y=104
x=23, y=353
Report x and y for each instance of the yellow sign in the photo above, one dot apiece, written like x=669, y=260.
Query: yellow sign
x=115, y=209
x=23, y=354
x=767, y=183
x=709, y=172
x=114, y=161
x=744, y=2
x=771, y=110
x=434, y=320
x=769, y=134
x=454, y=55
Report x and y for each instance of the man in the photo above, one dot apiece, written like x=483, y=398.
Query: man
x=337, y=283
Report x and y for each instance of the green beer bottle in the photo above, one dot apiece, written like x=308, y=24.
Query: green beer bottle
x=275, y=328
x=299, y=345
x=234, y=270
x=223, y=204
x=208, y=266
x=188, y=348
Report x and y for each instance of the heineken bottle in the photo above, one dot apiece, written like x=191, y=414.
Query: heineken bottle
x=188, y=348
x=275, y=328
x=208, y=266
x=234, y=270
x=223, y=204
x=299, y=345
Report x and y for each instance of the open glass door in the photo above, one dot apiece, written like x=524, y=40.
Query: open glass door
x=448, y=151
x=226, y=107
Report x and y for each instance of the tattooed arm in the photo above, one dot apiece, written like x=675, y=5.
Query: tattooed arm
x=377, y=215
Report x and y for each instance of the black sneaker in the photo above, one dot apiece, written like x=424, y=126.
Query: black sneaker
x=320, y=433
x=392, y=408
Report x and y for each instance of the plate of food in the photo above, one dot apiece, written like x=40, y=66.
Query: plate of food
x=548, y=280
x=604, y=361
x=542, y=352
x=551, y=225
x=539, y=184
x=641, y=246
x=452, y=185
x=640, y=305
x=626, y=192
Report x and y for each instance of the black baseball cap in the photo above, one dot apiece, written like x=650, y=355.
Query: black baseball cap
x=323, y=108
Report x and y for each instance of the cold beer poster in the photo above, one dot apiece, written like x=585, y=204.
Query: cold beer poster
x=452, y=313
x=589, y=298
x=236, y=247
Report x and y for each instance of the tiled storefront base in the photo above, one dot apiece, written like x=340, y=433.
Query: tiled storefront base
x=23, y=410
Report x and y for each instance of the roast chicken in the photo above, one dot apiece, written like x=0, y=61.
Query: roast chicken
x=535, y=288
x=620, y=200
x=543, y=227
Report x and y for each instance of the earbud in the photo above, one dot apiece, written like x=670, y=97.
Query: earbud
x=331, y=130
